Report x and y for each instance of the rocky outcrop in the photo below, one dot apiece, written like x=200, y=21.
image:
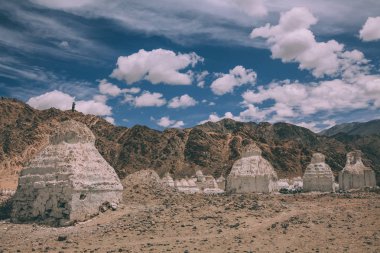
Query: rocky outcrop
x=67, y=181
x=318, y=175
x=355, y=174
x=252, y=173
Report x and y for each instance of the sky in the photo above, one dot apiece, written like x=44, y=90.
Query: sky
x=179, y=63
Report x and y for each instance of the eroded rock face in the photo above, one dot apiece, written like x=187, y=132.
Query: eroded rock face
x=251, y=173
x=318, y=175
x=67, y=181
x=355, y=174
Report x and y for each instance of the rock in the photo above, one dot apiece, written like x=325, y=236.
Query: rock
x=62, y=238
x=67, y=181
x=355, y=174
x=252, y=173
x=113, y=206
x=318, y=175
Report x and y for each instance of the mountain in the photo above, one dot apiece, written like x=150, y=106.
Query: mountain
x=212, y=147
x=355, y=128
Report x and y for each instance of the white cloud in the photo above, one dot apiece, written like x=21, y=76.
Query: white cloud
x=133, y=90
x=58, y=4
x=237, y=76
x=156, y=66
x=254, y=8
x=200, y=78
x=167, y=122
x=110, y=120
x=206, y=20
x=108, y=88
x=371, y=29
x=292, y=41
x=64, y=44
x=56, y=99
x=100, y=98
x=93, y=107
x=213, y=117
x=63, y=101
x=146, y=99
x=183, y=101
x=299, y=100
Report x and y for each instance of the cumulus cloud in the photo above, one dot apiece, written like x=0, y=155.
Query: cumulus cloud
x=100, y=98
x=156, y=66
x=146, y=99
x=371, y=29
x=167, y=122
x=236, y=77
x=183, y=101
x=200, y=78
x=213, y=117
x=93, y=107
x=110, y=120
x=292, y=41
x=56, y=99
x=108, y=88
x=63, y=101
x=331, y=96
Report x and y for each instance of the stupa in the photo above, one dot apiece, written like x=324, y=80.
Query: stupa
x=318, y=175
x=252, y=173
x=168, y=180
x=355, y=174
x=67, y=181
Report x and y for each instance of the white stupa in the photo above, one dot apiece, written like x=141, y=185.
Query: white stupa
x=251, y=173
x=318, y=175
x=355, y=174
x=67, y=181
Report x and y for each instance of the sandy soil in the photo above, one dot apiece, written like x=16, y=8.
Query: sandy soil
x=198, y=223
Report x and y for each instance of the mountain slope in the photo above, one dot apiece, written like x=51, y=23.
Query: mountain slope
x=212, y=147
x=355, y=128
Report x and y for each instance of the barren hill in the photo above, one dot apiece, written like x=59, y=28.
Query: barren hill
x=355, y=128
x=212, y=147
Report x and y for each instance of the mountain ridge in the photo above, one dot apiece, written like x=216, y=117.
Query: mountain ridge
x=354, y=128
x=212, y=147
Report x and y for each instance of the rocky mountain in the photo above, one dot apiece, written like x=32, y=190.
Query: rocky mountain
x=355, y=128
x=212, y=147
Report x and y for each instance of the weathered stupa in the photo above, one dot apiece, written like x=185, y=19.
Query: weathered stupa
x=67, y=181
x=168, y=180
x=355, y=174
x=318, y=175
x=251, y=173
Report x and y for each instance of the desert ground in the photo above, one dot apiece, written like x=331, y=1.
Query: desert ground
x=158, y=220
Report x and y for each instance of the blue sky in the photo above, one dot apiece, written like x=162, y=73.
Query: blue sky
x=171, y=63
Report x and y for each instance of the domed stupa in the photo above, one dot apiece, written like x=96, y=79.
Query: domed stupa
x=251, y=173
x=355, y=174
x=67, y=181
x=318, y=175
